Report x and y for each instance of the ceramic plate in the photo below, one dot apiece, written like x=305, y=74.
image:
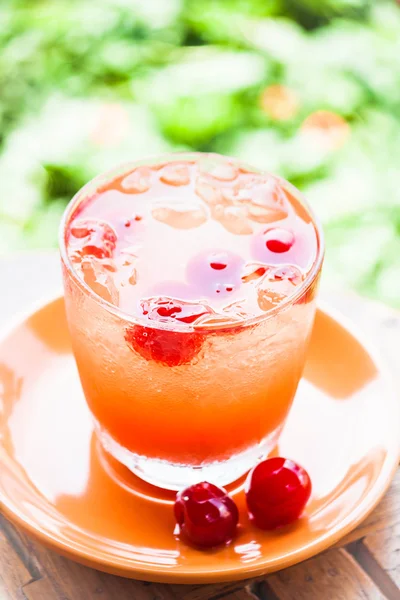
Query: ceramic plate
x=57, y=484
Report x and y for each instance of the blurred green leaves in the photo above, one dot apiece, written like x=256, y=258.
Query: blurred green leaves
x=197, y=96
x=306, y=88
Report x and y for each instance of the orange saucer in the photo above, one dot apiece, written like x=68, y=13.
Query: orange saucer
x=58, y=485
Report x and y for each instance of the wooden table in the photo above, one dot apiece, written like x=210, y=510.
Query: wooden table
x=365, y=565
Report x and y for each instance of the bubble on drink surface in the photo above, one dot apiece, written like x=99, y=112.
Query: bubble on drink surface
x=216, y=273
x=218, y=260
x=175, y=174
x=279, y=240
x=180, y=215
x=138, y=181
x=99, y=279
x=290, y=242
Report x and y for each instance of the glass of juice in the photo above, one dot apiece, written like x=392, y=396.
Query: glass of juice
x=190, y=283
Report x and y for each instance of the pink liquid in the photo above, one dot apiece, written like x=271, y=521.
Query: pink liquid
x=231, y=242
x=187, y=380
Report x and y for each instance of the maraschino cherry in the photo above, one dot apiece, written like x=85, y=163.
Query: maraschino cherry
x=170, y=347
x=207, y=516
x=277, y=491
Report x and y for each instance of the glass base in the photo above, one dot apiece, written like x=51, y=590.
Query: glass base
x=173, y=476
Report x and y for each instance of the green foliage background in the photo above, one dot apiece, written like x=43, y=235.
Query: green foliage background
x=87, y=84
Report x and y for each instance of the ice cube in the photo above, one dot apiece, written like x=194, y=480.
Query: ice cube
x=233, y=219
x=288, y=273
x=238, y=310
x=217, y=321
x=209, y=193
x=99, y=279
x=138, y=181
x=264, y=214
x=268, y=298
x=175, y=174
x=218, y=168
x=181, y=216
x=254, y=272
x=263, y=197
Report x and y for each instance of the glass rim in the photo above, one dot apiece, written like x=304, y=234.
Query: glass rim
x=91, y=187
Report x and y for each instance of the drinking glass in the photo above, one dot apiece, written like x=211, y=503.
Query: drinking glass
x=211, y=419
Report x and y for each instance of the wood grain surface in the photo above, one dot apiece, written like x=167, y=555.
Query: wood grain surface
x=365, y=565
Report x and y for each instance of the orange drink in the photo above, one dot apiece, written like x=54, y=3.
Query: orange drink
x=190, y=286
